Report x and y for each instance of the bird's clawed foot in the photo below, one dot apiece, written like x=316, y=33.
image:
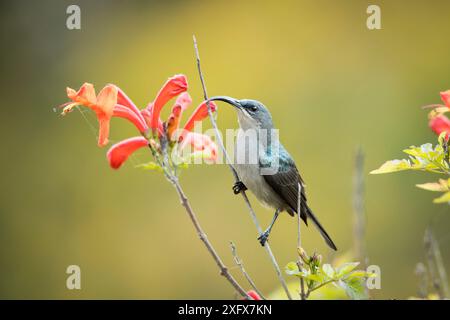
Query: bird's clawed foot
x=264, y=237
x=238, y=187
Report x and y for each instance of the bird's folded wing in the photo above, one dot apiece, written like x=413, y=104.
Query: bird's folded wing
x=285, y=183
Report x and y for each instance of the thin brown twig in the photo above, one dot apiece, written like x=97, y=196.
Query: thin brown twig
x=320, y=286
x=201, y=234
x=299, y=241
x=235, y=174
x=203, y=237
x=240, y=264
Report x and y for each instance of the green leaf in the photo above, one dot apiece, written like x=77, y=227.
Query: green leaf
x=354, y=288
x=393, y=166
x=183, y=165
x=441, y=186
x=200, y=155
x=292, y=269
x=345, y=269
x=179, y=161
x=442, y=199
x=150, y=166
x=327, y=292
x=362, y=274
x=317, y=277
x=426, y=156
x=421, y=152
x=328, y=270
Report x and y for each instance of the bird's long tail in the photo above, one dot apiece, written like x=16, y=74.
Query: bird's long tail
x=307, y=213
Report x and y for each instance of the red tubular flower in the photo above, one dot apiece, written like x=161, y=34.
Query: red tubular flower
x=172, y=88
x=137, y=119
x=122, y=99
x=174, y=120
x=120, y=152
x=200, y=142
x=254, y=295
x=111, y=101
x=147, y=115
x=199, y=114
x=102, y=105
x=445, y=96
x=183, y=101
x=440, y=124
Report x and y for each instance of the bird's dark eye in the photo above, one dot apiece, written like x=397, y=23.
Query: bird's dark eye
x=253, y=108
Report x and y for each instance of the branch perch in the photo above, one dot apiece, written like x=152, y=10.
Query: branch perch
x=235, y=174
x=173, y=179
x=239, y=263
x=203, y=237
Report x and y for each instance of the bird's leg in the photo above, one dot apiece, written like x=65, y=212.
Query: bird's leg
x=238, y=187
x=265, y=235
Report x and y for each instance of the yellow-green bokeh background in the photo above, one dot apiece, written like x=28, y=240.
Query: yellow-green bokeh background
x=330, y=83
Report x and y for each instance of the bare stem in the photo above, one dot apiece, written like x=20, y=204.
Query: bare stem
x=320, y=286
x=173, y=179
x=203, y=237
x=299, y=241
x=235, y=174
x=239, y=263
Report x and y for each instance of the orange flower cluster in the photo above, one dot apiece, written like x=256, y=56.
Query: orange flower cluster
x=113, y=102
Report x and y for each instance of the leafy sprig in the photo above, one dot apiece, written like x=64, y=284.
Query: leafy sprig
x=428, y=158
x=318, y=275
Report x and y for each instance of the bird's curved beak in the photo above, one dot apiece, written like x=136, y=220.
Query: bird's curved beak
x=234, y=102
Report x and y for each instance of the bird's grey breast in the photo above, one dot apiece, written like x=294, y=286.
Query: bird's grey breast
x=247, y=165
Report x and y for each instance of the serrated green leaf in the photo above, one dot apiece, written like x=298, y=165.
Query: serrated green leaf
x=427, y=157
x=393, y=166
x=362, y=274
x=150, y=166
x=318, y=277
x=328, y=270
x=354, y=288
x=440, y=186
x=183, y=165
x=204, y=155
x=345, y=269
x=420, y=152
x=442, y=199
x=292, y=268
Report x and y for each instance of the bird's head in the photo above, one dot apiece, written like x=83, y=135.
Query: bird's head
x=252, y=114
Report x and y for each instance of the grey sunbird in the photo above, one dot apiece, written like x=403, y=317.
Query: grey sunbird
x=277, y=189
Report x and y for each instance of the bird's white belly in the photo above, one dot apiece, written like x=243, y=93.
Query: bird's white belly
x=250, y=175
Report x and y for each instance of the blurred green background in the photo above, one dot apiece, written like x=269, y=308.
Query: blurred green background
x=330, y=83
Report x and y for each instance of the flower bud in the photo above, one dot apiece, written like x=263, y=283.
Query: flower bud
x=316, y=259
x=302, y=253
